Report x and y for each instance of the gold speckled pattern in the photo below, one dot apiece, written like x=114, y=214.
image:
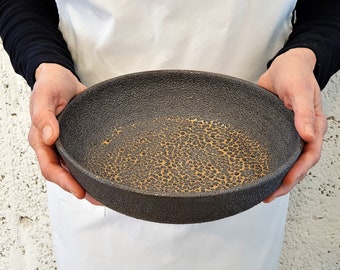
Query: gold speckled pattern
x=178, y=155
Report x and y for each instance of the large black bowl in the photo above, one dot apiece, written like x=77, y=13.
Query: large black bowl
x=120, y=112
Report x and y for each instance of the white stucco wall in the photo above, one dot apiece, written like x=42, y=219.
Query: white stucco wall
x=313, y=227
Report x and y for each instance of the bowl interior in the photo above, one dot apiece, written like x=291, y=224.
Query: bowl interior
x=128, y=111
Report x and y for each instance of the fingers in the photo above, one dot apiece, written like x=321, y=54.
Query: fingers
x=55, y=86
x=43, y=133
x=50, y=165
x=291, y=78
x=310, y=155
x=295, y=175
x=90, y=199
x=54, y=169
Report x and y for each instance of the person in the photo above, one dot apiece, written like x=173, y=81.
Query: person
x=64, y=47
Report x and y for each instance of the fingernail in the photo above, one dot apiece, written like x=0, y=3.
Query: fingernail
x=74, y=193
x=46, y=133
x=269, y=200
x=309, y=129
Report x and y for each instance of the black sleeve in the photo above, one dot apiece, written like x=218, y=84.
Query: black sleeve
x=316, y=25
x=30, y=35
x=29, y=29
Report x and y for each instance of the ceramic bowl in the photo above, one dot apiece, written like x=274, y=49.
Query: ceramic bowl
x=178, y=146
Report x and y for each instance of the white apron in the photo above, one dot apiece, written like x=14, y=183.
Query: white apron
x=110, y=38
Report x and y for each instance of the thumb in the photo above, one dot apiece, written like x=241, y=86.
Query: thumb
x=43, y=116
x=266, y=82
x=304, y=117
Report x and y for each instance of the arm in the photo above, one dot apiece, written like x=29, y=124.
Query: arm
x=29, y=29
x=33, y=37
x=30, y=34
x=316, y=25
x=296, y=74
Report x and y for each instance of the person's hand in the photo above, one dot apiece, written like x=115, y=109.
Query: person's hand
x=291, y=78
x=55, y=86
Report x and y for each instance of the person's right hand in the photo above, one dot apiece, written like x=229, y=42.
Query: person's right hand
x=55, y=86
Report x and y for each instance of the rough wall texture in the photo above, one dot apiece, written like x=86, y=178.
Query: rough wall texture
x=313, y=226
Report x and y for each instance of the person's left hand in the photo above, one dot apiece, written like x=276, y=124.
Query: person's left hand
x=291, y=78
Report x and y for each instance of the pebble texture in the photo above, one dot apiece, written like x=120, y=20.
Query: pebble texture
x=313, y=227
x=163, y=152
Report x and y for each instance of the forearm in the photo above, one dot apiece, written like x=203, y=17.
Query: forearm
x=30, y=34
x=317, y=27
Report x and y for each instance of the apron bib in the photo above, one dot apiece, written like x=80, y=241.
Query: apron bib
x=111, y=38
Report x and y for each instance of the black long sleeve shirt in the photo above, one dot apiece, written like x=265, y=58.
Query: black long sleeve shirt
x=30, y=34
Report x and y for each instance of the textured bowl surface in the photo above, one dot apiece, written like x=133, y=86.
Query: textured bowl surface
x=178, y=146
